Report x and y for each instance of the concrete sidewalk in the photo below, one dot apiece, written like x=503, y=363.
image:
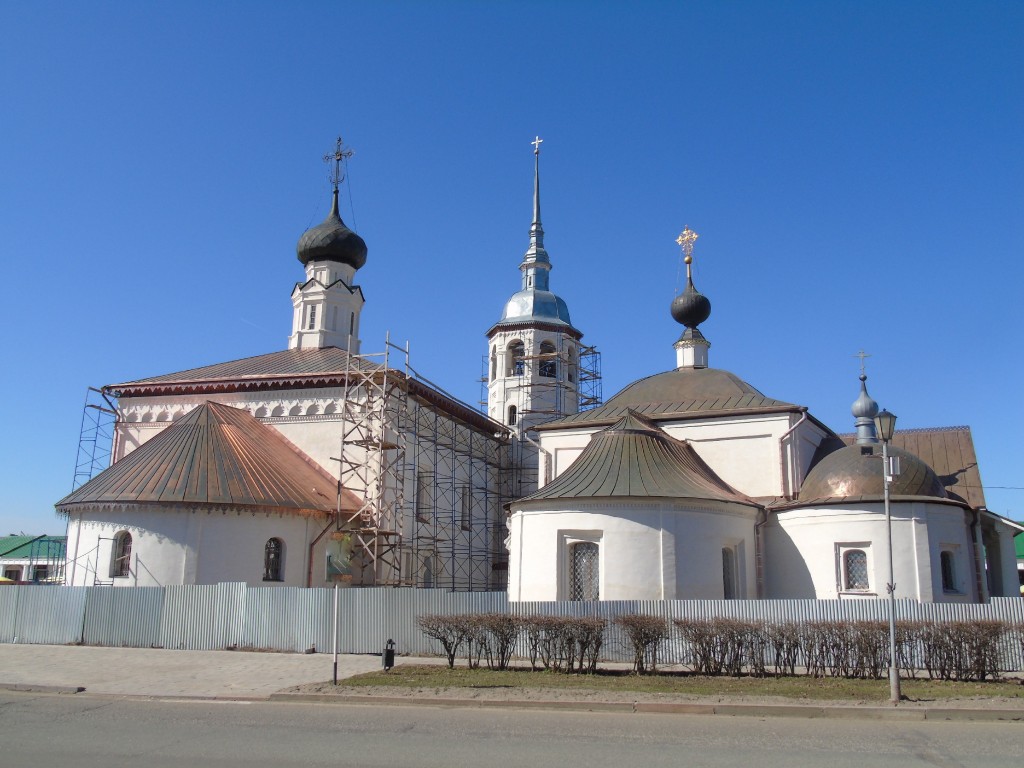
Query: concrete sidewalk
x=158, y=672
x=253, y=675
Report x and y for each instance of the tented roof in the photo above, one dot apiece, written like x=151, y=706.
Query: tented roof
x=215, y=455
x=634, y=458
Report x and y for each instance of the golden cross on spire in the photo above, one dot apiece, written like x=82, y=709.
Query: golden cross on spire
x=686, y=240
x=862, y=355
x=338, y=156
x=537, y=141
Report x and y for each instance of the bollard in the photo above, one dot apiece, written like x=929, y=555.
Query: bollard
x=389, y=655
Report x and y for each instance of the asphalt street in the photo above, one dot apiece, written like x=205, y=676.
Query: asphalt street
x=91, y=731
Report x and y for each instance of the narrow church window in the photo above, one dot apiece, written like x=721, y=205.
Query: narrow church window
x=351, y=323
x=948, y=571
x=121, y=556
x=584, y=572
x=512, y=415
x=728, y=573
x=516, y=363
x=571, y=356
x=273, y=560
x=312, y=318
x=466, y=508
x=424, y=497
x=855, y=571
x=548, y=364
x=494, y=362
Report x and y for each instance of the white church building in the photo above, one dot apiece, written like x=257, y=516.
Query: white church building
x=323, y=464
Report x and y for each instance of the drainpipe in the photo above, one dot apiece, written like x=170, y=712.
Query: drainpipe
x=782, y=455
x=309, y=573
x=548, y=463
x=979, y=571
x=762, y=518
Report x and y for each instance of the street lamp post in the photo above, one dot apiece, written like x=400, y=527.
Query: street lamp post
x=885, y=426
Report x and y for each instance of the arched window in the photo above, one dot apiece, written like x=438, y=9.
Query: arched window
x=121, y=555
x=515, y=354
x=273, y=560
x=584, y=571
x=513, y=415
x=855, y=571
x=948, y=564
x=548, y=363
x=728, y=573
x=312, y=317
x=570, y=354
x=494, y=362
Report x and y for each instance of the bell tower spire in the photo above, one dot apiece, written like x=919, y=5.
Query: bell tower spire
x=533, y=350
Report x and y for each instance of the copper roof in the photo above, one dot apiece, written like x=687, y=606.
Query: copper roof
x=634, y=458
x=949, y=451
x=854, y=473
x=680, y=393
x=288, y=368
x=215, y=455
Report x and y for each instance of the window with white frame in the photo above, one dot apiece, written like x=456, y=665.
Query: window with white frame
x=584, y=571
x=312, y=317
x=855, y=570
x=121, y=555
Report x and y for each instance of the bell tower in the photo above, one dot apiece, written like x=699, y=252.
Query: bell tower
x=533, y=350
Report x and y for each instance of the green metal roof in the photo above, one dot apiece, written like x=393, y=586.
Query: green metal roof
x=23, y=547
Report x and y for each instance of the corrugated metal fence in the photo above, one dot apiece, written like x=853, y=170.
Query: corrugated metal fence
x=294, y=619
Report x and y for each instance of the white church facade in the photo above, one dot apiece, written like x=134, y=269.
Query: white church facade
x=322, y=464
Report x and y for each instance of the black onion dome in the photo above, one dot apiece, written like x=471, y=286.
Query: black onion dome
x=855, y=472
x=331, y=240
x=691, y=308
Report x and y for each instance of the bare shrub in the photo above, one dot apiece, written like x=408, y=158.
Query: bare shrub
x=450, y=631
x=495, y=635
x=588, y=633
x=645, y=634
x=785, y=640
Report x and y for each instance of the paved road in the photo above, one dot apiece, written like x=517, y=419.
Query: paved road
x=108, y=732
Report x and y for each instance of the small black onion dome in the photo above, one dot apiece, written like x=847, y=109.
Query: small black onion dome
x=331, y=240
x=691, y=308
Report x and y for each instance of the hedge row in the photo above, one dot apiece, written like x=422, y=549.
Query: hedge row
x=959, y=650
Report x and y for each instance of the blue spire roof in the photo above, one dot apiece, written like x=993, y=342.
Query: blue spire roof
x=535, y=302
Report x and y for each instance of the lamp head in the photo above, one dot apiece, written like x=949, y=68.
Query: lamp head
x=885, y=425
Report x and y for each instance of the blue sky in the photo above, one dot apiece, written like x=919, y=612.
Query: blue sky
x=855, y=171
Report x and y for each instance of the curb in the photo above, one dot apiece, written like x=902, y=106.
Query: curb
x=31, y=688
x=729, y=710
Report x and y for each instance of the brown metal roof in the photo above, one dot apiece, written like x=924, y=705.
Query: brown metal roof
x=634, y=458
x=287, y=368
x=215, y=455
x=293, y=369
x=949, y=451
x=681, y=393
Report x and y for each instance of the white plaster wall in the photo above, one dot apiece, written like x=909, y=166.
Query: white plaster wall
x=803, y=551
x=743, y=450
x=178, y=546
x=649, y=551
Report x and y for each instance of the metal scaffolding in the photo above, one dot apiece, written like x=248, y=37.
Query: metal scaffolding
x=432, y=487
x=96, y=438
